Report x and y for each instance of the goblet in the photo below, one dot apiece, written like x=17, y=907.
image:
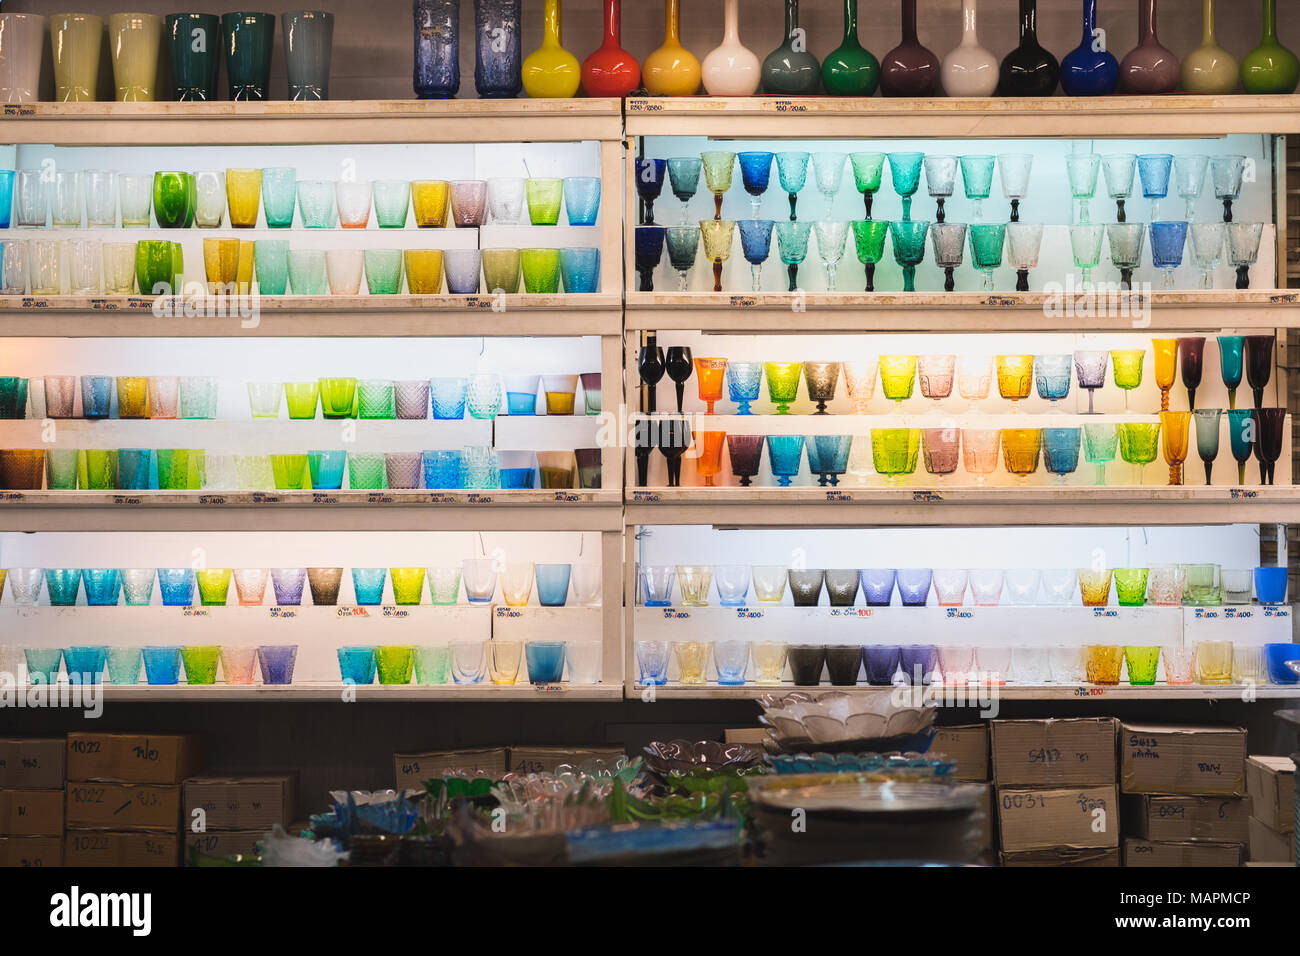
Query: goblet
x=860, y=381
x=1259, y=364
x=1270, y=424
x=650, y=368
x=745, y=452
x=1119, y=170
x=986, y=242
x=709, y=463
x=677, y=363
x=828, y=168
x=1243, y=249
x=1126, y=365
x=718, y=166
x=1023, y=243
x=860, y=466
x=674, y=437
x=1014, y=169
x=709, y=375
x=828, y=459
x=1154, y=170
x=1125, y=239
x=1099, y=444
x=940, y=181
x=1061, y=451
x=1085, y=243
x=1174, y=432
x=974, y=377
x=719, y=237
x=979, y=452
x=1189, y=181
x=1166, y=362
x=1242, y=435
x=1167, y=242
x=755, y=174
x=905, y=174
x=649, y=253
x=1021, y=449
x=867, y=170
x=1207, y=240
x=1052, y=376
x=869, y=241
x=649, y=184
x=782, y=383
x=792, y=244
x=756, y=244
x=1207, y=437
x=831, y=236
x=1138, y=443
x=908, y=238
x=948, y=241
x=1015, y=378
x=894, y=452
x=1226, y=175
x=784, y=454
x=977, y=180
x=821, y=379
x=683, y=246
x=743, y=380
x=1081, y=169
x=684, y=179
x=936, y=374
x=1231, y=366
x=792, y=172
x=897, y=376
x=941, y=450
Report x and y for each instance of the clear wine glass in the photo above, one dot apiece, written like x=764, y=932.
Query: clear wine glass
x=1014, y=169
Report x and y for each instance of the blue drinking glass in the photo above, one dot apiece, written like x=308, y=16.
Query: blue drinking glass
x=368, y=584
x=882, y=662
x=521, y=394
x=437, y=49
x=580, y=270
x=756, y=173
x=85, y=664
x=582, y=198
x=732, y=660
x=176, y=586
x=828, y=457
x=1153, y=172
x=479, y=468
x=756, y=243
x=1167, y=242
x=652, y=658
x=6, y=196
x=743, y=382
x=134, y=469
x=784, y=454
x=1241, y=433
x=448, y=397
x=518, y=469
x=357, y=665
x=326, y=469
x=684, y=178
x=63, y=585
x=1231, y=352
x=649, y=184
x=792, y=171
x=497, y=59
x=1270, y=585
x=545, y=661
x=103, y=586
x=657, y=582
x=552, y=583
x=441, y=469
x=276, y=661
x=1277, y=656
x=649, y=252
x=1061, y=450
x=1085, y=70
x=1052, y=376
x=43, y=664
x=162, y=665
x=878, y=586
x=287, y=584
x=918, y=662
x=914, y=586
x=96, y=395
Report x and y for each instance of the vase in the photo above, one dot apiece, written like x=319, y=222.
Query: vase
x=909, y=69
x=611, y=70
x=790, y=70
x=969, y=70
x=193, y=47
x=1209, y=68
x=437, y=49
x=308, y=40
x=1090, y=69
x=75, y=39
x=851, y=69
x=248, y=39
x=1029, y=70
x=551, y=71
x=133, y=43
x=1270, y=67
x=730, y=69
x=1149, y=68
x=496, y=49
x=671, y=70
x=22, y=43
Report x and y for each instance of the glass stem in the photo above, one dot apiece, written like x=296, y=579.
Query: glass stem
x=1101, y=474
x=757, y=272
x=681, y=280
x=832, y=273
x=909, y=278
x=794, y=201
x=907, y=209
x=1209, y=467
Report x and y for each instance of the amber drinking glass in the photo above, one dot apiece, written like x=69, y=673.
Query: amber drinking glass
x=1175, y=428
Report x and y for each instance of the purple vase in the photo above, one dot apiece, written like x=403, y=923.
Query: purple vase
x=909, y=69
x=1150, y=68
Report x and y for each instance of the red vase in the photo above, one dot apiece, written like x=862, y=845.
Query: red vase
x=611, y=70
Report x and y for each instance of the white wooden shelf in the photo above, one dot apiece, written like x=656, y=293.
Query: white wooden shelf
x=326, y=691
x=971, y=695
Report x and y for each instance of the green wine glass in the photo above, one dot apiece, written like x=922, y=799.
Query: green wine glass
x=1100, y=441
x=905, y=173
x=895, y=451
x=792, y=171
x=718, y=167
x=792, y=244
x=1126, y=364
x=869, y=240
x=977, y=180
x=867, y=174
x=909, y=248
x=986, y=243
x=1207, y=437
x=897, y=377
x=782, y=383
x=1139, y=442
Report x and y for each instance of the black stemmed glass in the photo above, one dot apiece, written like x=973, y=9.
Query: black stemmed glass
x=679, y=366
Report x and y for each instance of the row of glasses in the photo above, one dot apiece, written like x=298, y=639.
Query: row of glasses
x=470, y=662
x=1150, y=175
x=162, y=664
x=138, y=396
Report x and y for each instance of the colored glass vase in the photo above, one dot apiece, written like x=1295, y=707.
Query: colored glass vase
x=850, y=69
x=731, y=68
x=611, y=70
x=1270, y=67
x=75, y=40
x=194, y=47
x=496, y=49
x=551, y=71
x=1209, y=68
x=133, y=42
x=790, y=69
x=1029, y=70
x=308, y=43
x=671, y=70
x=22, y=46
x=1150, y=68
x=248, y=39
x=909, y=69
x=969, y=70
x=1090, y=69
x=436, y=75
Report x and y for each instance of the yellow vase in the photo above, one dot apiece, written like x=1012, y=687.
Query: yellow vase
x=671, y=70
x=75, y=39
x=133, y=41
x=551, y=71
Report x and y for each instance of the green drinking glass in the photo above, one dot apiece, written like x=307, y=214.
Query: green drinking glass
x=986, y=243
x=541, y=268
x=792, y=244
x=433, y=664
x=214, y=586
x=156, y=266
x=338, y=397
x=271, y=257
x=1131, y=586
x=868, y=169
x=394, y=664
x=376, y=398
x=177, y=469
x=302, y=398
x=897, y=376
x=367, y=471
x=307, y=272
x=909, y=248
x=783, y=383
x=62, y=466
x=501, y=270
x=174, y=199
x=383, y=271
x=290, y=472
x=905, y=173
x=392, y=198
x=977, y=180
x=97, y=469
x=1127, y=365
x=279, y=195
x=1100, y=442
x=869, y=241
x=201, y=663
x=544, y=198
x=1143, y=662
x=1139, y=442
x=408, y=585
x=894, y=451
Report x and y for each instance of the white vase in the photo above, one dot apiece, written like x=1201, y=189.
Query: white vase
x=969, y=70
x=731, y=69
x=22, y=44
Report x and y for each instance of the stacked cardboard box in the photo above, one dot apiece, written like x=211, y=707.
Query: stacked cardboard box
x=225, y=816
x=123, y=798
x=31, y=801
x=1185, y=789
x=1057, y=803
x=968, y=745
x=1270, y=781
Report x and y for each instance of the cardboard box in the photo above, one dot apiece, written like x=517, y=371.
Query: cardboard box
x=1050, y=819
x=32, y=763
x=223, y=843
x=31, y=851
x=546, y=759
x=1268, y=845
x=753, y=736
x=969, y=746
x=1178, y=819
x=412, y=770
x=31, y=812
x=124, y=806
x=241, y=803
x=1270, y=781
x=1077, y=752
x=1200, y=853
x=109, y=848
x=1205, y=760
x=133, y=758
x=1063, y=856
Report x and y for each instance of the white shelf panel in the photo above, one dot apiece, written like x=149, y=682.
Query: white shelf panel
x=373, y=693
x=978, y=697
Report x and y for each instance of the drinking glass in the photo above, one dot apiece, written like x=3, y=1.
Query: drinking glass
x=553, y=584
x=243, y=194
x=469, y=203
x=124, y=665
x=480, y=578
x=276, y=662
x=692, y=661
x=173, y=200
x=1061, y=451
x=541, y=268
x=806, y=586
x=1094, y=587
x=408, y=585
x=1143, y=664
x=1126, y=241
x=1226, y=176
x=518, y=469
x=162, y=665
x=1102, y=663
x=250, y=585
x=581, y=199
x=956, y=663
x=14, y=268
x=745, y=452
x=652, y=659
x=1021, y=448
x=1191, y=358
x=684, y=179
x=1120, y=170
x=357, y=665
x=214, y=585
x=1015, y=377
x=1174, y=431
x=783, y=383
x=383, y=270
x=792, y=244
x=201, y=663
x=430, y=197
x=307, y=272
x=1214, y=662
x=980, y=452
x=324, y=584
x=986, y=245
x=479, y=469
x=103, y=586
x=718, y=168
x=517, y=583
x=784, y=455
x=1207, y=240
x=683, y=246
x=424, y=270
x=1022, y=585
x=1138, y=442
x=1168, y=240
x=545, y=661
x=941, y=451
x=1154, y=170
x=1081, y=170
x=1131, y=586
x=449, y=396
x=719, y=236
x=468, y=661
x=1237, y=585
x=755, y=243
x=1202, y=585
x=343, y=270
x=1279, y=659
x=1207, y=437
x=1249, y=665
x=769, y=582
x=317, y=203
x=67, y=202
x=731, y=660
x=769, y=662
x=1126, y=366
x=1243, y=249
x=368, y=586
x=444, y=585
x=914, y=586
x=831, y=236
x=950, y=586
x=1031, y=665
x=442, y=469
x=649, y=178
x=96, y=394
x=544, y=198
x=993, y=664
x=1166, y=583
x=287, y=584
x=279, y=190
x=1013, y=171
x=580, y=270
x=1242, y=438
x=505, y=198
x=908, y=240
x=756, y=174
x=47, y=266
x=32, y=198
x=403, y=470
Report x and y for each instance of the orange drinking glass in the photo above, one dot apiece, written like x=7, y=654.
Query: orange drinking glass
x=1103, y=662
x=709, y=374
x=1021, y=449
x=1174, y=428
x=710, y=460
x=1166, y=354
x=1015, y=377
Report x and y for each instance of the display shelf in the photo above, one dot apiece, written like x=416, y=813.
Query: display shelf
x=326, y=691
x=1138, y=117
x=979, y=697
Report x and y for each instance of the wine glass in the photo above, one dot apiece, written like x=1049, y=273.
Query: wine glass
x=784, y=455
x=683, y=247
x=1191, y=358
x=1259, y=364
x=867, y=173
x=649, y=253
x=1167, y=242
x=1090, y=368
x=974, y=377
x=1061, y=451
x=756, y=244
x=674, y=438
x=905, y=173
x=709, y=375
x=1165, y=353
x=860, y=381
x=1125, y=240
x=1232, y=350
x=1189, y=180
x=1052, y=375
x=940, y=181
x=1126, y=366
x=1138, y=443
x=1119, y=170
x=895, y=451
x=1270, y=425
x=1243, y=249
x=649, y=184
x=718, y=166
x=909, y=248
x=869, y=241
x=986, y=242
x=1015, y=378
x=1174, y=433
x=1154, y=170
x=1024, y=240
x=831, y=236
x=755, y=174
x=1021, y=450
x=650, y=368
x=1226, y=174
x=979, y=452
x=948, y=240
x=1207, y=437
x=940, y=451
x=792, y=243
x=828, y=457
x=821, y=379
x=977, y=180
x=792, y=171
x=897, y=376
x=1099, y=444
x=936, y=373
x=684, y=178
x=1085, y=243
x=1014, y=169
x=743, y=380
x=745, y=452
x=782, y=384
x=1241, y=438
x=1081, y=169
x=1207, y=240
x=719, y=236
x=829, y=170
x=709, y=463
x=678, y=366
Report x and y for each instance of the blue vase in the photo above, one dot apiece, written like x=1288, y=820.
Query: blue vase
x=1086, y=71
x=497, y=63
x=437, y=48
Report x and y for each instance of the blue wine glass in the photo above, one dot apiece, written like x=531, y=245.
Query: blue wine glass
x=1231, y=352
x=743, y=381
x=649, y=184
x=1052, y=376
x=792, y=171
x=1061, y=450
x=649, y=253
x=1154, y=170
x=784, y=454
x=756, y=243
x=1167, y=242
x=755, y=173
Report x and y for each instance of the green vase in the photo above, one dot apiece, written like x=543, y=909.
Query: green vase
x=1270, y=67
x=790, y=69
x=850, y=70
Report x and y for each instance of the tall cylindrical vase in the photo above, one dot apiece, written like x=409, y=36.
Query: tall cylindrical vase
x=308, y=43
x=194, y=48
x=133, y=42
x=496, y=45
x=730, y=69
x=22, y=44
x=437, y=48
x=851, y=69
x=671, y=70
x=248, y=39
x=75, y=39
x=1270, y=67
x=909, y=69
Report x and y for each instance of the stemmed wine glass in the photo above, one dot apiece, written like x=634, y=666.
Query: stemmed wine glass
x=940, y=181
x=673, y=439
x=678, y=366
x=1119, y=169
x=709, y=375
x=1242, y=435
x=867, y=170
x=649, y=253
x=1125, y=240
x=1014, y=169
x=1085, y=243
x=743, y=380
x=869, y=241
x=745, y=452
x=936, y=373
x=1232, y=350
x=755, y=174
x=860, y=382
x=718, y=167
x=977, y=180
x=650, y=367
x=782, y=384
x=820, y=378
x=719, y=236
x=1175, y=428
x=683, y=247
x=1024, y=240
x=1189, y=180
x=1126, y=367
x=831, y=236
x=979, y=452
x=1090, y=369
x=756, y=243
x=792, y=171
x=1259, y=364
x=829, y=170
x=1270, y=425
x=1207, y=437
x=948, y=240
x=974, y=378
x=1052, y=375
x=905, y=173
x=895, y=451
x=1165, y=356
x=1082, y=170
x=792, y=244
x=1243, y=249
x=986, y=242
x=1226, y=174
x=941, y=451
x=1061, y=451
x=828, y=457
x=1099, y=444
x=684, y=178
x=1207, y=240
x=908, y=239
x=1191, y=358
x=1015, y=378
x=784, y=457
x=1154, y=170
x=897, y=377
x=649, y=184
x=1138, y=442
x=1168, y=240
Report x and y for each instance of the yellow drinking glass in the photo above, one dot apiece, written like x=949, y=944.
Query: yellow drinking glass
x=783, y=383
x=897, y=376
x=1138, y=442
x=132, y=396
x=243, y=194
x=719, y=236
x=1127, y=365
x=1214, y=662
x=769, y=662
x=1094, y=587
x=244, y=272
x=221, y=264
x=1015, y=377
x=692, y=660
x=423, y=271
x=1166, y=356
x=430, y=198
x=503, y=660
x=894, y=452
x=1102, y=663
x=1021, y=449
x=1174, y=429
